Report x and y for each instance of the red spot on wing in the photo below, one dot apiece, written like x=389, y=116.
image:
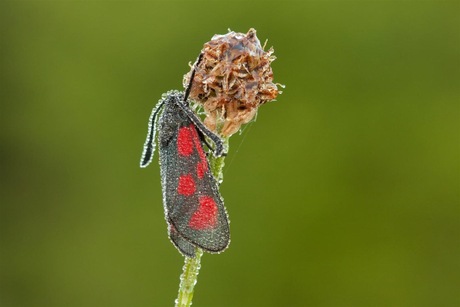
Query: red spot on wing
x=196, y=140
x=186, y=185
x=202, y=166
x=206, y=215
x=185, y=142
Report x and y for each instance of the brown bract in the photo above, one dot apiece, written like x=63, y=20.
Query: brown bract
x=233, y=79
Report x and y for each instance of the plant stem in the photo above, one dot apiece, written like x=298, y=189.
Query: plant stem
x=188, y=279
x=191, y=268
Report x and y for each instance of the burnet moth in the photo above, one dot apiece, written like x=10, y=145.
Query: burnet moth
x=194, y=209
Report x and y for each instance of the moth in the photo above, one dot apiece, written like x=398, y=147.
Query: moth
x=194, y=210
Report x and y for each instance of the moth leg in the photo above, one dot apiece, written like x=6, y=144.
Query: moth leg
x=204, y=141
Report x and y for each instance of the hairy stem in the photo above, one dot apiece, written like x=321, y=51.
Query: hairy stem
x=191, y=268
x=188, y=279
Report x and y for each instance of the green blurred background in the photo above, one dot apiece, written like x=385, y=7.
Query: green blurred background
x=345, y=192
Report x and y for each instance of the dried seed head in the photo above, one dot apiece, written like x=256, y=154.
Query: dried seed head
x=233, y=79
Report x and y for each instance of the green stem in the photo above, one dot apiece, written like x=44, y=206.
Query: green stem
x=191, y=268
x=188, y=279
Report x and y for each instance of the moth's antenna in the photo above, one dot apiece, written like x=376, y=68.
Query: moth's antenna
x=219, y=150
x=189, y=87
x=149, y=145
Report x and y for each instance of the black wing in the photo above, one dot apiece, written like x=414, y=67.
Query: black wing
x=191, y=197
